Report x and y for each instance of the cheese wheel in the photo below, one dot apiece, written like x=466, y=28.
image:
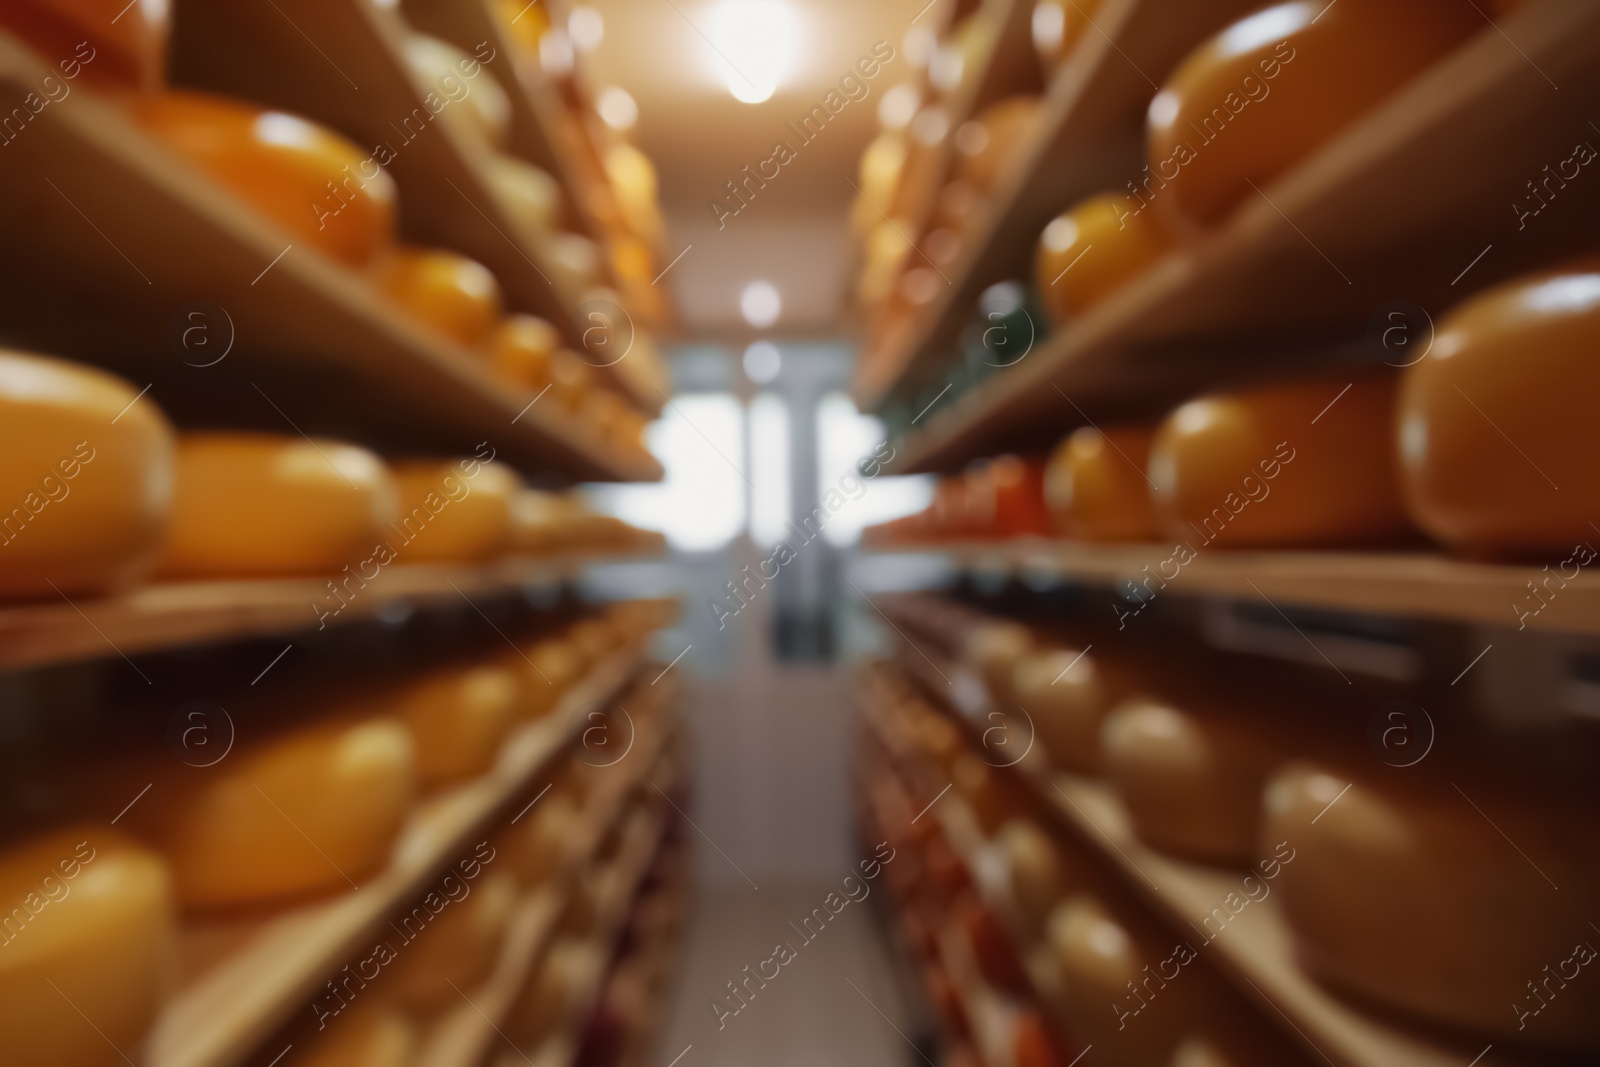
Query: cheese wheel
x=367, y=1035
x=458, y=717
x=88, y=946
x=282, y=166
x=535, y=847
x=1032, y=1045
x=442, y=69
x=520, y=351
x=537, y=522
x=1097, y=485
x=633, y=182
x=303, y=813
x=1485, y=439
x=1267, y=91
x=572, y=261
x=247, y=504
x=1381, y=882
x=456, y=296
x=593, y=638
x=939, y=738
x=454, y=512
x=1252, y=469
x=1058, y=26
x=987, y=144
x=452, y=948
x=553, y=993
x=85, y=478
x=1191, y=783
x=1067, y=694
x=993, y=650
x=528, y=194
x=1018, y=486
x=552, y=667
x=1038, y=875
x=114, y=44
x=570, y=380
x=882, y=164
x=1088, y=253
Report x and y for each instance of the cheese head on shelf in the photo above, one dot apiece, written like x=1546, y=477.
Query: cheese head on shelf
x=454, y=511
x=1089, y=252
x=478, y=103
x=443, y=954
x=111, y=44
x=1097, y=485
x=455, y=296
x=283, y=166
x=987, y=144
x=1067, y=694
x=458, y=717
x=85, y=478
x=528, y=194
x=257, y=505
x=88, y=946
x=520, y=351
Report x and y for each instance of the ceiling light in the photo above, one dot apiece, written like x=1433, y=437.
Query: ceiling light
x=762, y=362
x=586, y=28
x=760, y=304
x=754, y=40
x=617, y=109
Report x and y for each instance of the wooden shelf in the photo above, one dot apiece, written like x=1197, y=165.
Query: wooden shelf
x=104, y=218
x=1408, y=584
x=221, y=1018
x=1402, y=205
x=172, y=615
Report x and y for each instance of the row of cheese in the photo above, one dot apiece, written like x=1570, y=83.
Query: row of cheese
x=1480, y=443
x=304, y=811
x=1222, y=768
x=98, y=491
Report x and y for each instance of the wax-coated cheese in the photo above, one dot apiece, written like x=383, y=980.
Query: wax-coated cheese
x=988, y=143
x=1386, y=880
x=551, y=667
x=306, y=812
x=1067, y=694
x=1058, y=26
x=458, y=717
x=455, y=296
x=457, y=947
x=283, y=166
x=1038, y=875
x=1267, y=91
x=116, y=44
x=1018, y=488
x=455, y=512
x=442, y=69
x=993, y=649
x=535, y=847
x=633, y=182
x=520, y=351
x=571, y=379
x=552, y=994
x=246, y=504
x=1097, y=485
x=882, y=164
x=88, y=946
x=1298, y=464
x=369, y=1034
x=1487, y=434
x=85, y=478
x=527, y=193
x=1091, y=251
x=572, y=261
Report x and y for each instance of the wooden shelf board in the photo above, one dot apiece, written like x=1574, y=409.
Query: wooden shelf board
x=1303, y=267
x=221, y=1018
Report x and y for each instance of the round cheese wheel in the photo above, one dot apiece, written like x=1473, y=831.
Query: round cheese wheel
x=993, y=649
x=1264, y=93
x=283, y=166
x=1018, y=486
x=306, y=812
x=633, y=182
x=537, y=521
x=882, y=164
x=458, y=717
x=939, y=738
x=1091, y=251
x=551, y=668
x=528, y=194
x=1485, y=440
x=264, y=504
x=1252, y=469
x=108, y=44
x=85, y=478
x=1097, y=485
x=1058, y=25
x=454, y=295
x=572, y=261
x=520, y=351
x=1038, y=875
x=1380, y=882
x=88, y=946
x=479, y=103
x=570, y=380
x=450, y=515
x=535, y=847
x=987, y=144
x=368, y=1034
x=593, y=638
x=551, y=996
x=1191, y=783
x=449, y=941
x=1067, y=694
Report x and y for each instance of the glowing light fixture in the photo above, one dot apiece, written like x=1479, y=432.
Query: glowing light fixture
x=755, y=40
x=617, y=109
x=762, y=362
x=760, y=304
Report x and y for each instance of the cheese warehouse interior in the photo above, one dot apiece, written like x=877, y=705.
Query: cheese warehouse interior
x=883, y=533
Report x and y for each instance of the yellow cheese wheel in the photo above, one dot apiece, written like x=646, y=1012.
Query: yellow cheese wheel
x=535, y=847
x=882, y=164
x=529, y=194
x=593, y=638
x=993, y=649
x=1097, y=485
x=1058, y=26
x=520, y=351
x=1038, y=874
x=454, y=948
x=454, y=512
x=367, y=1034
x=85, y=478
x=1264, y=93
x=441, y=68
x=1067, y=694
x=988, y=143
x=570, y=380
x=458, y=717
x=454, y=295
x=633, y=182
x=1191, y=782
x=309, y=811
x=88, y=946
x=283, y=166
x=1485, y=440
x=1091, y=251
x=247, y=504
x=1385, y=879
x=1297, y=464
x=572, y=261
x=117, y=44
x=552, y=995
x=551, y=667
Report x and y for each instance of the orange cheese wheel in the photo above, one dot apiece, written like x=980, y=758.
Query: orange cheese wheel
x=1058, y=26
x=88, y=946
x=988, y=791
x=1091, y=251
x=85, y=478
x=1282, y=465
x=454, y=512
x=572, y=261
x=520, y=351
x=368, y=1034
x=1067, y=694
x=535, y=847
x=282, y=166
x=530, y=195
x=1484, y=438
x=987, y=144
x=302, y=813
x=456, y=296
x=114, y=44
x=571, y=379
x=479, y=103
x=458, y=717
x=448, y=942
x=1097, y=485
x=1384, y=879
x=264, y=504
x=1019, y=507
x=1267, y=91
